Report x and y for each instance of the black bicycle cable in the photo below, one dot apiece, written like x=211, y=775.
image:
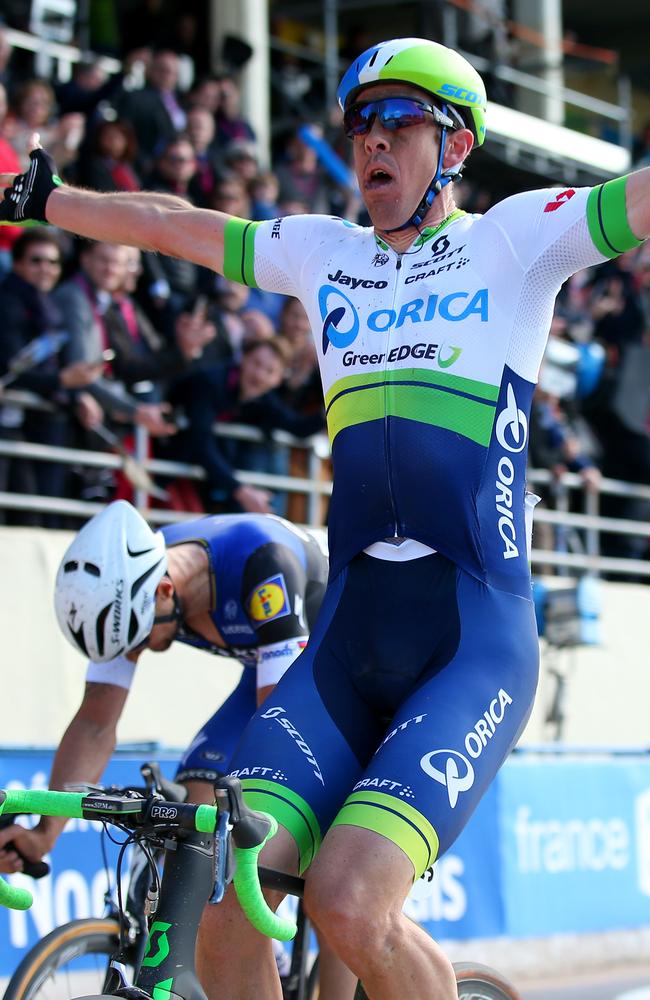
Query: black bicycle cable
x=102, y=841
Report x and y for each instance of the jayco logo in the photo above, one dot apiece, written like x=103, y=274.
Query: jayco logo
x=341, y=322
x=346, y=279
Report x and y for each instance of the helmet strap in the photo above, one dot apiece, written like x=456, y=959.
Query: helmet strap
x=440, y=180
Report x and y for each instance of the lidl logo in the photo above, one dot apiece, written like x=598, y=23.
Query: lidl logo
x=269, y=600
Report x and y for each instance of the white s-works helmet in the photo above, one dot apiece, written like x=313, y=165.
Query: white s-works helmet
x=105, y=587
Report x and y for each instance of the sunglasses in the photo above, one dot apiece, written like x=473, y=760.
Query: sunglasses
x=393, y=113
x=54, y=261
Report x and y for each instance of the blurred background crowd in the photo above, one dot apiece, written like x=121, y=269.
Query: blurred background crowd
x=162, y=344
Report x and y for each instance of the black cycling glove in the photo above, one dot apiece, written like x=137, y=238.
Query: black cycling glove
x=24, y=202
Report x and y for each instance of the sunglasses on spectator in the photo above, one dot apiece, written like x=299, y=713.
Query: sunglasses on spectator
x=393, y=113
x=37, y=259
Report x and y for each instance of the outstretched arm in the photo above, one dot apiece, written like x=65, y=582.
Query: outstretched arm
x=149, y=220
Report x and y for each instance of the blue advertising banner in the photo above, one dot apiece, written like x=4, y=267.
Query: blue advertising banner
x=558, y=844
x=463, y=899
x=575, y=843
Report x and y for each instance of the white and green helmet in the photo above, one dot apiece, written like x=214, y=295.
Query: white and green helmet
x=431, y=67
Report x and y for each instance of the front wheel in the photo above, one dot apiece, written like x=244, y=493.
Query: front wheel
x=480, y=982
x=474, y=982
x=69, y=961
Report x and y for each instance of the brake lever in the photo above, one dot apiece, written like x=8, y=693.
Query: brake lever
x=223, y=858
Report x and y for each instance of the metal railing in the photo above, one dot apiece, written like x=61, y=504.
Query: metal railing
x=618, y=111
x=580, y=529
x=315, y=486
x=56, y=58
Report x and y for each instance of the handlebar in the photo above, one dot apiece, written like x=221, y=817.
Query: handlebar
x=250, y=832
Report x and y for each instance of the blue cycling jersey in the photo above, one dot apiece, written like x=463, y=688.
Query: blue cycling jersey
x=267, y=578
x=249, y=583
x=267, y=582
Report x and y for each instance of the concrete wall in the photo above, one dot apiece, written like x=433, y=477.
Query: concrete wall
x=42, y=676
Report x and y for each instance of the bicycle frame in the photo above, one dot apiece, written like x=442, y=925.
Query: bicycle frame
x=169, y=954
x=190, y=877
x=167, y=969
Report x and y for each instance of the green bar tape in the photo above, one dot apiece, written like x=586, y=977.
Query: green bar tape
x=250, y=896
x=13, y=897
x=205, y=819
x=44, y=802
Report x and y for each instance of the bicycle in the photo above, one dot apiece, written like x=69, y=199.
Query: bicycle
x=80, y=951
x=130, y=952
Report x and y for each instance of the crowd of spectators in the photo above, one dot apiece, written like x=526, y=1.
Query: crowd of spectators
x=591, y=409
x=163, y=343
x=150, y=340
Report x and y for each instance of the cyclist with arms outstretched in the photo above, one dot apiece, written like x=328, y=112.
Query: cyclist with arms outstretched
x=430, y=328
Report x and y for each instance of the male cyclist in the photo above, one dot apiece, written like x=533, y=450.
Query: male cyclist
x=421, y=672
x=243, y=586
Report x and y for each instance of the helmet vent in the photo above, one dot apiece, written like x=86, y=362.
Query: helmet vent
x=79, y=639
x=141, y=579
x=70, y=567
x=92, y=569
x=133, y=627
x=374, y=56
x=99, y=628
x=389, y=58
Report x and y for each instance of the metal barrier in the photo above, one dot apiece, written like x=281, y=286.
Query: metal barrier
x=56, y=58
x=315, y=486
x=618, y=112
x=581, y=531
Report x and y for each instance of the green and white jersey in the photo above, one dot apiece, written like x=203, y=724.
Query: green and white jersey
x=429, y=359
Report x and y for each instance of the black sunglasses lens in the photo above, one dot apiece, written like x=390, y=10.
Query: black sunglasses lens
x=357, y=120
x=400, y=113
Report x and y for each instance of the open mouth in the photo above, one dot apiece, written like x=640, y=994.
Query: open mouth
x=378, y=178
